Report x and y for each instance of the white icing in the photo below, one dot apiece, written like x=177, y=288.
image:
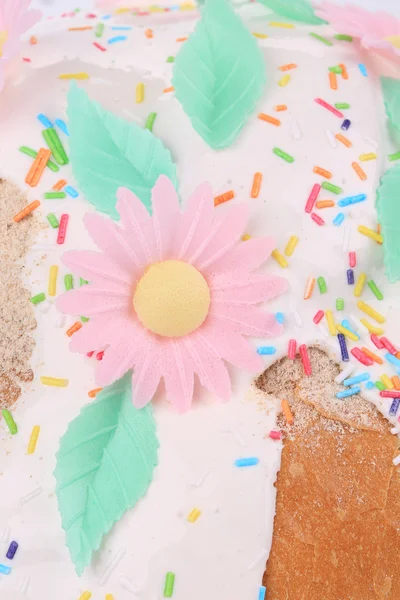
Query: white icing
x=222, y=555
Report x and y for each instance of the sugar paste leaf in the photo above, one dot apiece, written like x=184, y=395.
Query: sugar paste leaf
x=105, y=464
x=391, y=96
x=294, y=10
x=388, y=205
x=219, y=75
x=108, y=152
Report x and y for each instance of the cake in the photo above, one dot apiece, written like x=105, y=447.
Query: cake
x=235, y=171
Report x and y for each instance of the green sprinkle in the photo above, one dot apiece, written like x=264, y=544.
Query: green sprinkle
x=171, y=59
x=320, y=38
x=339, y=304
x=38, y=298
x=169, y=585
x=68, y=282
x=332, y=188
x=54, y=143
x=12, y=426
x=342, y=105
x=99, y=30
x=84, y=319
x=30, y=152
x=54, y=195
x=82, y=282
x=380, y=385
x=375, y=290
x=322, y=285
x=150, y=121
x=283, y=155
x=337, y=70
x=343, y=37
x=52, y=219
x=395, y=156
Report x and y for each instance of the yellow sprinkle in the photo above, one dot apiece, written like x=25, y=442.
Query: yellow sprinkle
x=370, y=233
x=33, y=439
x=53, y=280
x=372, y=328
x=120, y=11
x=365, y=157
x=360, y=285
x=109, y=597
x=194, y=515
x=261, y=36
x=291, y=245
x=139, y=93
x=284, y=81
x=370, y=311
x=74, y=76
x=54, y=381
x=283, y=25
x=346, y=332
x=246, y=237
x=387, y=382
x=85, y=596
x=280, y=259
x=331, y=322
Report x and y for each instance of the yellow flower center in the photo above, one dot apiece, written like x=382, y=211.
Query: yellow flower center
x=3, y=39
x=172, y=298
x=394, y=40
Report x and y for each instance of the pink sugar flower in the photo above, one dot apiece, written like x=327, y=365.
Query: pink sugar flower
x=172, y=294
x=15, y=19
x=379, y=31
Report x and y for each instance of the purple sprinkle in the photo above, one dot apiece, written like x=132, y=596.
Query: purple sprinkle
x=350, y=276
x=343, y=347
x=13, y=547
x=346, y=124
x=395, y=407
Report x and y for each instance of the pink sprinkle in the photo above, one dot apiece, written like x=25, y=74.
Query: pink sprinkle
x=376, y=341
x=62, y=229
x=352, y=259
x=390, y=394
x=91, y=16
x=100, y=355
x=275, y=435
x=329, y=107
x=99, y=46
x=25, y=59
x=388, y=345
x=90, y=354
x=317, y=219
x=361, y=357
x=292, y=349
x=305, y=360
x=318, y=317
x=312, y=197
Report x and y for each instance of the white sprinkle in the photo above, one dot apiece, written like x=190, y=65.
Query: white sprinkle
x=236, y=433
x=346, y=239
x=60, y=320
x=129, y=586
x=331, y=138
x=296, y=131
x=24, y=585
x=119, y=555
x=262, y=555
x=44, y=307
x=297, y=318
x=24, y=499
x=5, y=536
x=371, y=142
x=198, y=482
x=345, y=373
x=395, y=430
x=396, y=461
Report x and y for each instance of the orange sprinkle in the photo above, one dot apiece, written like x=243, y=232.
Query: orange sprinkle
x=324, y=203
x=181, y=39
x=224, y=197
x=309, y=288
x=33, y=40
x=148, y=33
x=269, y=119
x=26, y=211
x=322, y=172
x=344, y=140
x=288, y=67
x=280, y=107
x=378, y=228
x=245, y=237
x=80, y=28
x=93, y=393
x=169, y=89
x=59, y=185
x=333, y=80
x=255, y=190
x=372, y=356
x=37, y=167
x=345, y=74
x=74, y=328
x=360, y=172
x=287, y=412
x=396, y=382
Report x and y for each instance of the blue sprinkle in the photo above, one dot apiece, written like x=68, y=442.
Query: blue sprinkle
x=350, y=276
x=261, y=593
x=394, y=407
x=44, y=120
x=280, y=317
x=356, y=379
x=71, y=191
x=175, y=7
x=13, y=547
x=363, y=70
x=346, y=124
x=392, y=359
x=350, y=392
x=121, y=28
x=352, y=200
x=247, y=462
x=5, y=570
x=264, y=350
x=338, y=220
x=369, y=385
x=105, y=17
x=117, y=38
x=346, y=324
x=62, y=125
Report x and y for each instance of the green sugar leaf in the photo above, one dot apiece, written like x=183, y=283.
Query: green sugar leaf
x=388, y=205
x=219, y=75
x=391, y=96
x=105, y=464
x=107, y=152
x=294, y=10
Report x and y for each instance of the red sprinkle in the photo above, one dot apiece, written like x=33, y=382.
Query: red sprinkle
x=317, y=219
x=25, y=59
x=390, y=394
x=376, y=341
x=329, y=107
x=305, y=360
x=90, y=354
x=388, y=345
x=292, y=349
x=275, y=435
x=361, y=357
x=99, y=46
x=100, y=355
x=352, y=259
x=318, y=317
x=62, y=229
x=312, y=197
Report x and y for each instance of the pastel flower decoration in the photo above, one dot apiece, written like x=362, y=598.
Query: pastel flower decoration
x=15, y=19
x=379, y=30
x=172, y=295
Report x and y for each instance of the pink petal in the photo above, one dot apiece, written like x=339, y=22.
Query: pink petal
x=166, y=215
x=121, y=355
x=258, y=289
x=196, y=222
x=137, y=224
x=244, y=257
x=147, y=374
x=98, y=269
x=247, y=320
x=89, y=301
x=102, y=331
x=177, y=372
